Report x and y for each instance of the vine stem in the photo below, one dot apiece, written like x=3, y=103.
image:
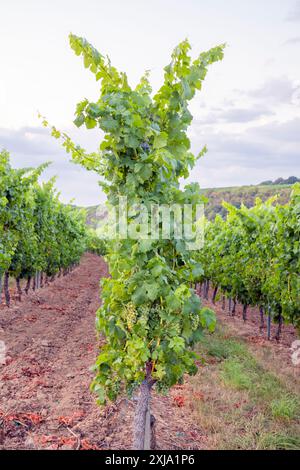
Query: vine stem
x=142, y=418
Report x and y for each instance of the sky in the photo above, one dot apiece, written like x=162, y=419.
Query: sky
x=247, y=113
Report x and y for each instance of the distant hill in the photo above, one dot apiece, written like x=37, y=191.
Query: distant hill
x=242, y=194
x=235, y=195
x=91, y=215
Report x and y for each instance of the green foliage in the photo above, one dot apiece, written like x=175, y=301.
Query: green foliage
x=37, y=232
x=254, y=256
x=149, y=315
x=95, y=244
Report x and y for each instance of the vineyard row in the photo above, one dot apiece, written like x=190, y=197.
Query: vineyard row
x=253, y=257
x=38, y=234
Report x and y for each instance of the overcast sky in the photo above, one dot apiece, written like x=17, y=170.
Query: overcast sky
x=248, y=112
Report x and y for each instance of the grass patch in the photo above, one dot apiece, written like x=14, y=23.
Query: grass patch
x=225, y=349
x=234, y=375
x=245, y=405
x=286, y=407
x=268, y=386
x=277, y=441
x=265, y=441
x=218, y=345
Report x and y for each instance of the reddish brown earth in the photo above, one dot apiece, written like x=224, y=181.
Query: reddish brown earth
x=45, y=401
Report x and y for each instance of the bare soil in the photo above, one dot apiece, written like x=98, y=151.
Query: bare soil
x=51, y=342
x=45, y=401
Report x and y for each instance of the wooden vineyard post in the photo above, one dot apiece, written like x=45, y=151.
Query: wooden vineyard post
x=261, y=313
x=269, y=323
x=142, y=419
x=6, y=288
x=1, y=286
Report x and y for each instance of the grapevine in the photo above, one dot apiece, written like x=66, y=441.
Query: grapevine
x=143, y=155
x=38, y=234
x=253, y=257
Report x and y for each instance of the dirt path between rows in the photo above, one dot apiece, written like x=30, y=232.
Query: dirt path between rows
x=45, y=401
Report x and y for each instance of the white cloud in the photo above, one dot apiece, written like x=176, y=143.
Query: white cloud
x=275, y=90
x=251, y=133
x=32, y=146
x=259, y=153
x=294, y=14
x=236, y=115
x=292, y=41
